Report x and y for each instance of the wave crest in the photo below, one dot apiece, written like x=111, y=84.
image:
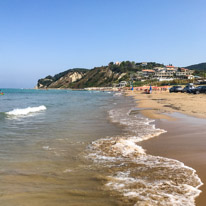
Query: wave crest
x=26, y=111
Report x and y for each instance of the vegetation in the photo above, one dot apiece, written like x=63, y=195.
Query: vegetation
x=108, y=75
x=58, y=76
x=200, y=73
x=199, y=67
x=130, y=67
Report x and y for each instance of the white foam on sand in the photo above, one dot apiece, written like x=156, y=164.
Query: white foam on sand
x=127, y=147
x=144, y=179
x=26, y=111
x=46, y=148
x=172, y=183
x=67, y=171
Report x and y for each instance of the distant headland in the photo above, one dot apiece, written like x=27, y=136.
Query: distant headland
x=124, y=73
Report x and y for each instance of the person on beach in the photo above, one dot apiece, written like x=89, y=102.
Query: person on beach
x=150, y=89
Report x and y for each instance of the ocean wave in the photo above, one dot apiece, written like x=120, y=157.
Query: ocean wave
x=141, y=128
x=170, y=183
x=138, y=177
x=117, y=94
x=26, y=111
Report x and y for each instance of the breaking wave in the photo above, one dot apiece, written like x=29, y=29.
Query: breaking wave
x=136, y=177
x=117, y=94
x=26, y=111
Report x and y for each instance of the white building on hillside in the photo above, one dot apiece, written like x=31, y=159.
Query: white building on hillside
x=123, y=84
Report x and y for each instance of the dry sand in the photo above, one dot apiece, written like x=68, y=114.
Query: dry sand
x=160, y=102
x=185, y=139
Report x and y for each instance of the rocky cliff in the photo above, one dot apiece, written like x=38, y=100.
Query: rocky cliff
x=61, y=80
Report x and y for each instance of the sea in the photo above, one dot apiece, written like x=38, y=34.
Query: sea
x=73, y=148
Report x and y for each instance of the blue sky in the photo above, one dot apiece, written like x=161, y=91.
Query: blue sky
x=42, y=37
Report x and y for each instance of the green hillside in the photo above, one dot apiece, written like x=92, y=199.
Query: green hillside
x=103, y=76
x=200, y=67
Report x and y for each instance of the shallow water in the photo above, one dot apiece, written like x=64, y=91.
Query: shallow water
x=62, y=147
x=42, y=150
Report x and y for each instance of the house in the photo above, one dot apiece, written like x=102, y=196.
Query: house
x=148, y=72
x=172, y=70
x=184, y=73
x=158, y=69
x=169, y=67
x=164, y=74
x=122, y=84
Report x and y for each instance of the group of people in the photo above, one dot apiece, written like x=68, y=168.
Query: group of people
x=151, y=88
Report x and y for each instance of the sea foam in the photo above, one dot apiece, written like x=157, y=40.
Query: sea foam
x=137, y=176
x=26, y=111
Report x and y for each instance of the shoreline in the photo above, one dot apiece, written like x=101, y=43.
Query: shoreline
x=111, y=89
x=184, y=140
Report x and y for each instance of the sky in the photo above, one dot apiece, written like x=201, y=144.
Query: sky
x=45, y=37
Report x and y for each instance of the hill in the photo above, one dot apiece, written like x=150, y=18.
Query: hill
x=63, y=79
x=200, y=67
x=103, y=76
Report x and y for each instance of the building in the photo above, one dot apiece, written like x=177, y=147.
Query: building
x=184, y=73
x=172, y=70
x=158, y=69
x=123, y=84
x=148, y=72
x=171, y=67
x=164, y=74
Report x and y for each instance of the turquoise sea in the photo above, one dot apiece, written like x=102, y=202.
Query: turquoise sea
x=63, y=147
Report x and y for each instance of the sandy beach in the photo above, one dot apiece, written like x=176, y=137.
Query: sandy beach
x=160, y=102
x=183, y=116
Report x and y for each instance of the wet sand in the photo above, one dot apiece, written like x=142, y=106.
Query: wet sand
x=185, y=139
